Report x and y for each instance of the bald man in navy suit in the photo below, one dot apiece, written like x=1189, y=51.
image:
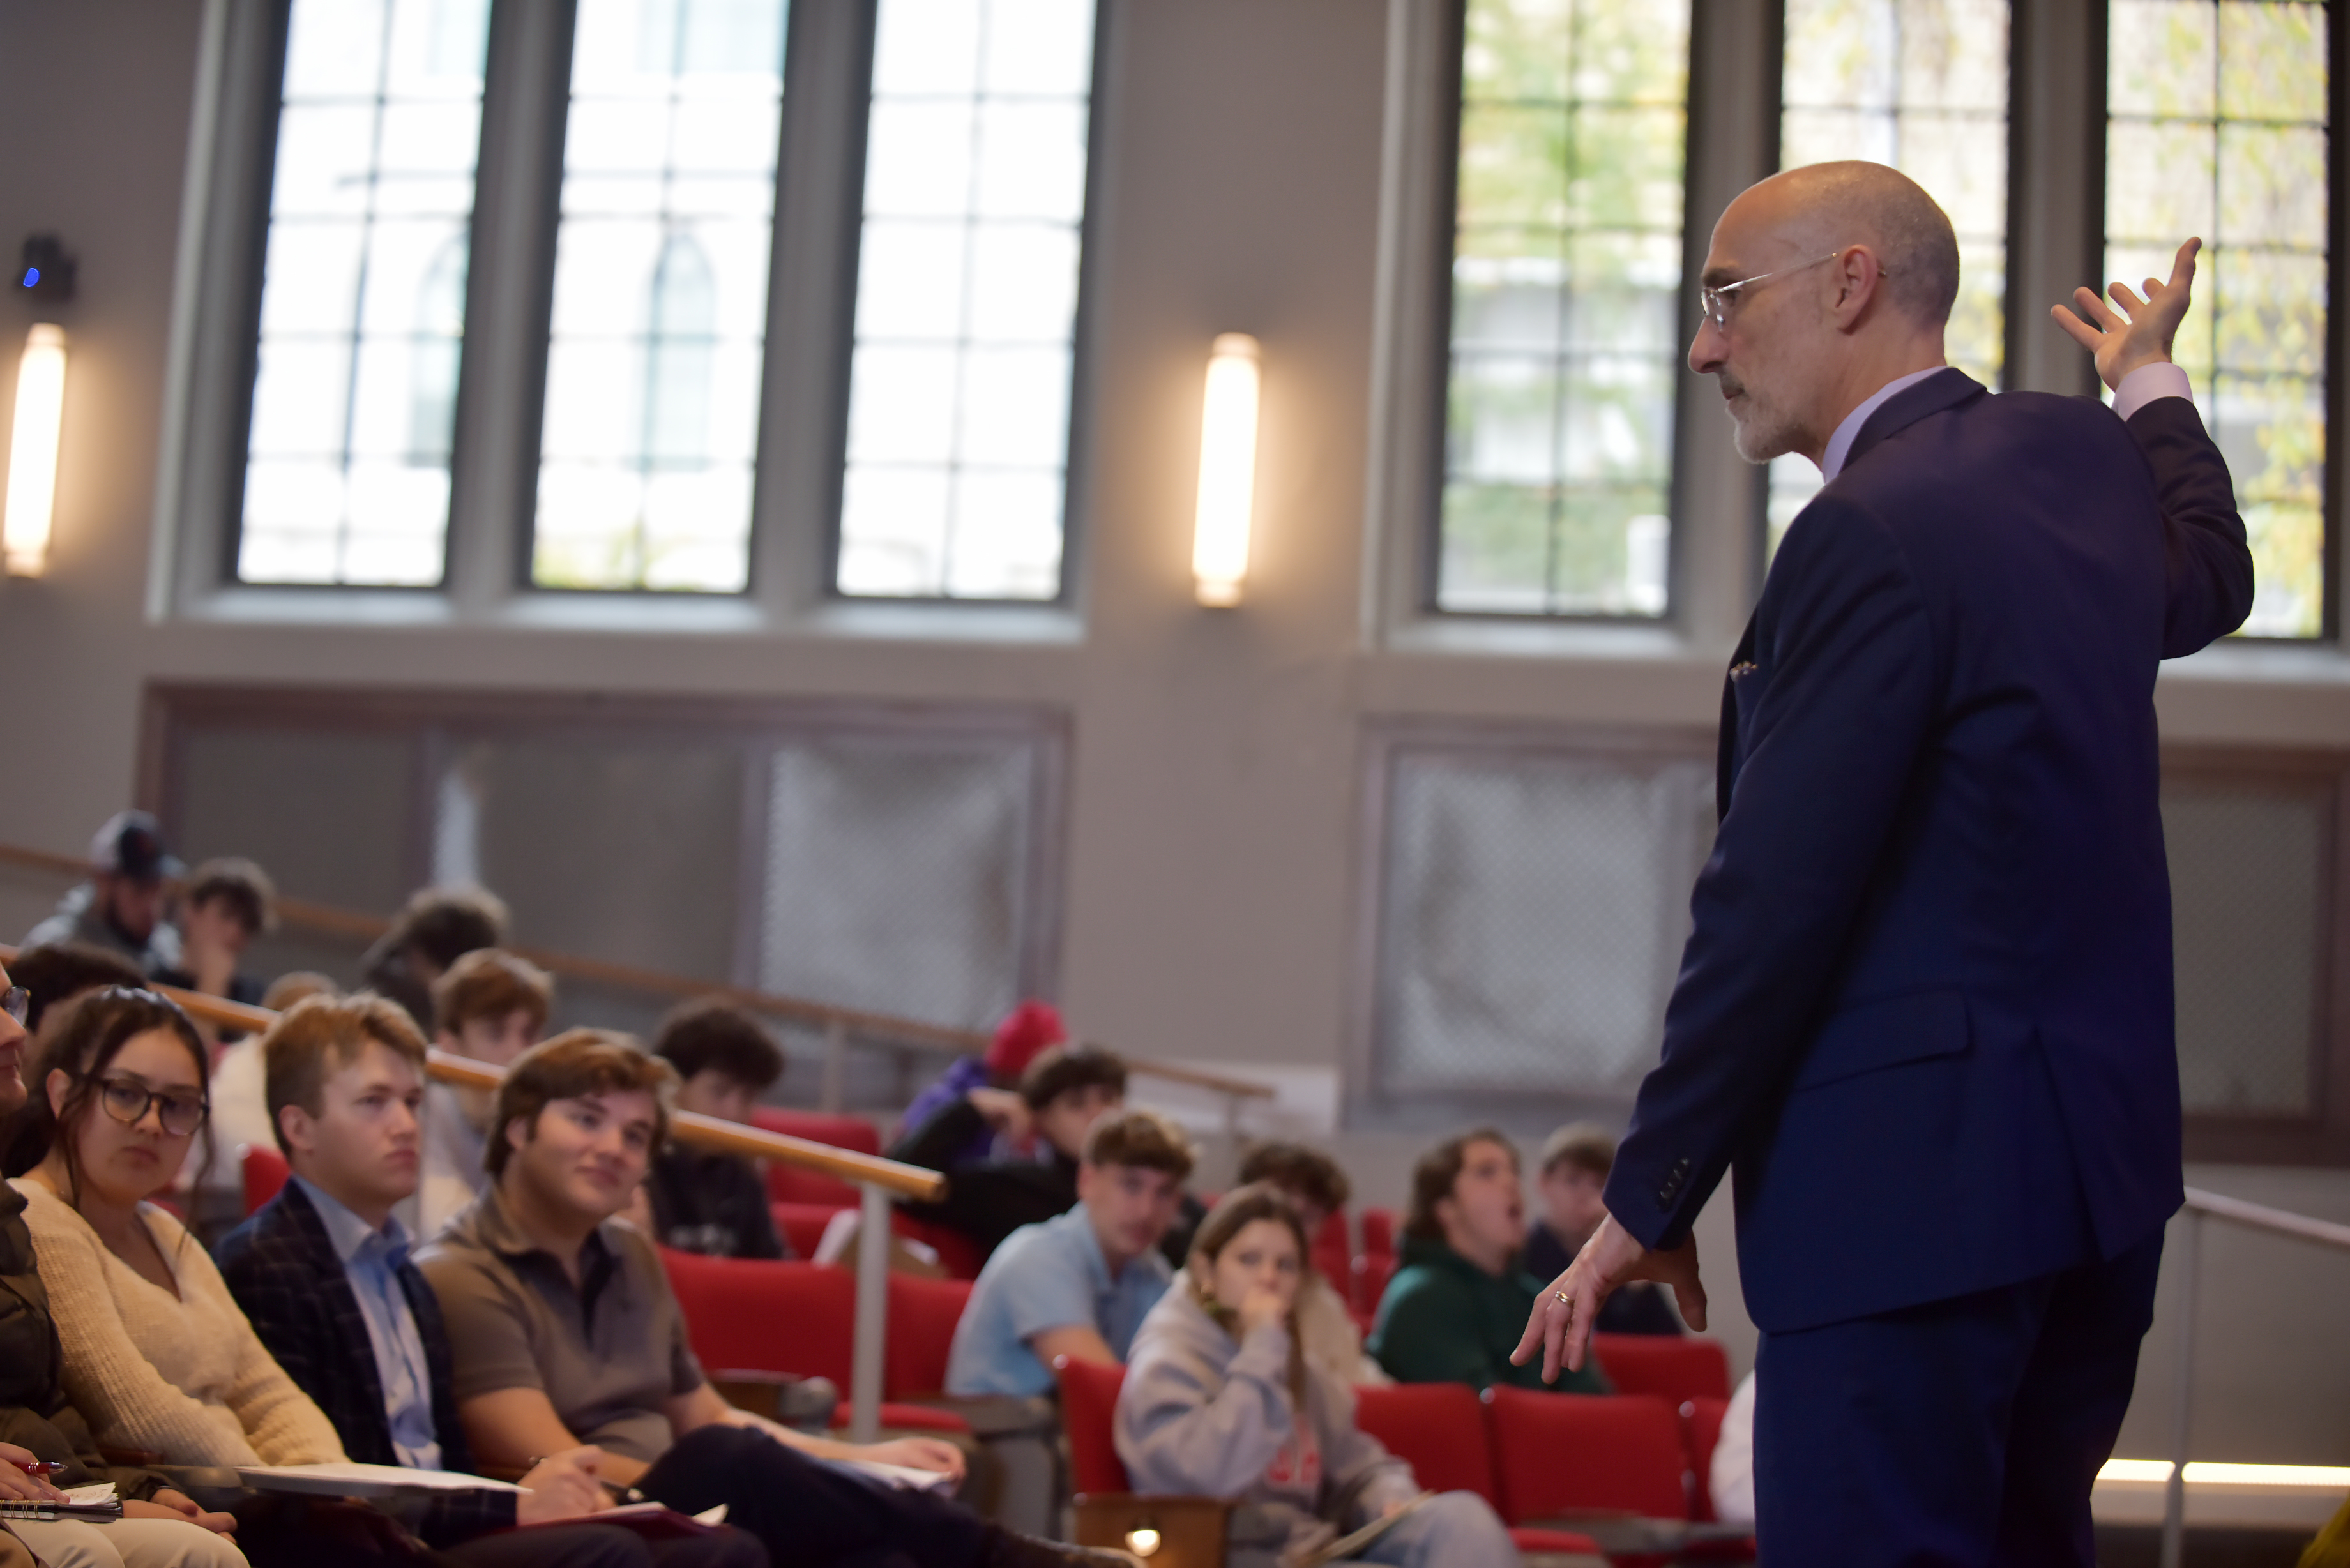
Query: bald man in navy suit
x=1925, y=1011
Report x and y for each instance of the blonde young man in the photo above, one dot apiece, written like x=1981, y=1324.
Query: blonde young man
x=490, y=1006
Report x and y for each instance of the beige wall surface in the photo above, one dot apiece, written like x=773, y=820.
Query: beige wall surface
x=1212, y=885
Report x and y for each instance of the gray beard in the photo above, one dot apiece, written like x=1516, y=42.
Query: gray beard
x=1766, y=432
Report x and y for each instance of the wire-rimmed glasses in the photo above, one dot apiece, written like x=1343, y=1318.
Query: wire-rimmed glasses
x=1716, y=299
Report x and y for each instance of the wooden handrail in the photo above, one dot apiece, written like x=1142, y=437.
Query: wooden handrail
x=363, y=927
x=900, y=1179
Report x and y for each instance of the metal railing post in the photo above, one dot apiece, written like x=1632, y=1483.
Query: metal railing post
x=835, y=1067
x=2182, y=1395
x=873, y=1242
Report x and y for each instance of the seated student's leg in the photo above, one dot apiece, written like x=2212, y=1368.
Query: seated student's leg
x=2070, y=1408
x=1451, y=1530
x=728, y=1549
x=809, y=1514
x=1883, y=1441
x=127, y=1543
x=554, y=1546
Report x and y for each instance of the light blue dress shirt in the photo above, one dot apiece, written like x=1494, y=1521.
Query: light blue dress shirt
x=371, y=1260
x=1050, y=1275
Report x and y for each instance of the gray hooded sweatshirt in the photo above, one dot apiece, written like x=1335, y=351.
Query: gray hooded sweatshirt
x=1204, y=1416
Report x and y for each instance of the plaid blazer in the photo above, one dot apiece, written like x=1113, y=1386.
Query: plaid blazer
x=282, y=1268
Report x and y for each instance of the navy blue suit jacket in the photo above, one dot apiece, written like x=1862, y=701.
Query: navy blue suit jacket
x=283, y=1269
x=1925, y=1010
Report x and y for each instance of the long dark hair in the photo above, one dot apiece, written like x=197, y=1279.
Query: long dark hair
x=1235, y=1212
x=90, y=1036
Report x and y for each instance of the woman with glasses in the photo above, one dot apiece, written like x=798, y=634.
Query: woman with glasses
x=157, y=1355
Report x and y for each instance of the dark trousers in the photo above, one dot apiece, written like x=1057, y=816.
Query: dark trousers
x=810, y=1514
x=1958, y=1434
x=604, y=1546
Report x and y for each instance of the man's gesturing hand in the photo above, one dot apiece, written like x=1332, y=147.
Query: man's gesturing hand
x=2140, y=332
x=1611, y=1258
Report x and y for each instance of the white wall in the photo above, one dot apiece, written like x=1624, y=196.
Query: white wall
x=1211, y=879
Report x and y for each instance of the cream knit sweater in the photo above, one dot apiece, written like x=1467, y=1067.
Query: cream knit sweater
x=182, y=1376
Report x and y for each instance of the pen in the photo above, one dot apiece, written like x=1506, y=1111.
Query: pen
x=39, y=1467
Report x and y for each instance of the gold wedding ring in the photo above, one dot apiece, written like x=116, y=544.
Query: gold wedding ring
x=1562, y=1296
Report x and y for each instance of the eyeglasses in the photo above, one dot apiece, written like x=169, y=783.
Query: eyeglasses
x=1718, y=301
x=16, y=1002
x=127, y=1099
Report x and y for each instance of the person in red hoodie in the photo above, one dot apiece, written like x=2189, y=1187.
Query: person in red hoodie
x=1027, y=1033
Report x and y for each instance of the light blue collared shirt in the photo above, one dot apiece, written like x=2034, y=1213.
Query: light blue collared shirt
x=1047, y=1275
x=371, y=1260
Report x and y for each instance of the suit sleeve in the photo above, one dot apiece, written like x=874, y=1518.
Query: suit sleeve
x=1848, y=681
x=2209, y=567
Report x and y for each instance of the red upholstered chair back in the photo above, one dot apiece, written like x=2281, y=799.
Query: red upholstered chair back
x=1090, y=1409
x=1379, y=1231
x=958, y=1253
x=1556, y=1452
x=265, y=1171
x=1700, y=1430
x=923, y=1318
x=801, y=1225
x=789, y=1183
x=749, y=1315
x=1437, y=1428
x=1372, y=1272
x=1332, y=1255
x=1673, y=1368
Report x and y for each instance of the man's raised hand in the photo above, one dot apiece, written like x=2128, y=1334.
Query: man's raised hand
x=1613, y=1257
x=2138, y=332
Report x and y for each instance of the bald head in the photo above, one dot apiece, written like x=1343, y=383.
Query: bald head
x=1823, y=206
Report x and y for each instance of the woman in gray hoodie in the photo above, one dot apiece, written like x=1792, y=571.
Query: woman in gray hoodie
x=1218, y=1402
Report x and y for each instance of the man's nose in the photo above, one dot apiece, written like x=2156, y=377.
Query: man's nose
x=1709, y=347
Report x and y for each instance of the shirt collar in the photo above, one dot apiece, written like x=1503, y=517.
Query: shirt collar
x=1840, y=443
x=352, y=1235
x=496, y=1228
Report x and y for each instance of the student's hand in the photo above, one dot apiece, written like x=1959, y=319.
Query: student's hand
x=169, y=1503
x=16, y=1485
x=2140, y=332
x=1260, y=1307
x=1005, y=1112
x=1564, y=1314
x=561, y=1486
x=917, y=1454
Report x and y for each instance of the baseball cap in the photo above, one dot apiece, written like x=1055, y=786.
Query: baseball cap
x=131, y=844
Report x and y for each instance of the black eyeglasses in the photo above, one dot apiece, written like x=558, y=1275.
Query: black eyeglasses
x=16, y=1002
x=127, y=1099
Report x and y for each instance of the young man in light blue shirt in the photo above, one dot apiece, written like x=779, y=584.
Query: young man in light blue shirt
x=1077, y=1284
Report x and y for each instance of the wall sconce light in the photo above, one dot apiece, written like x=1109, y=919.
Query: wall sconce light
x=33, y=451
x=1220, y=536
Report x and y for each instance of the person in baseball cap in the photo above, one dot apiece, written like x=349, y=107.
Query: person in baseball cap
x=121, y=905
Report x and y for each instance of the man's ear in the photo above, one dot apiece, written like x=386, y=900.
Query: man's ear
x=1860, y=281
x=295, y=1126
x=518, y=1132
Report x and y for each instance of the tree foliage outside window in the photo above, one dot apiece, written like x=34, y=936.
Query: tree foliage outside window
x=1921, y=85
x=2219, y=127
x=1566, y=266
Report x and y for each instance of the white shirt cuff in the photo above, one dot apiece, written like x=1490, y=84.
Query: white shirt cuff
x=2148, y=383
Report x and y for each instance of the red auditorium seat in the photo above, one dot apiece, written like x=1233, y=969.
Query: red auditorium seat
x=1089, y=1406
x=923, y=1318
x=752, y=1316
x=1700, y=1430
x=1332, y=1257
x=1673, y=1368
x=1437, y=1428
x=1379, y=1231
x=802, y=1224
x=791, y=1184
x=265, y=1171
x=1371, y=1274
x=1556, y=1453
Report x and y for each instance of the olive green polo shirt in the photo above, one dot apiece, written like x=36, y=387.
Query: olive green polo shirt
x=606, y=1353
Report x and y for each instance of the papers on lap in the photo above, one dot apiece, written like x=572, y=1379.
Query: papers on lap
x=904, y=1475
x=347, y=1480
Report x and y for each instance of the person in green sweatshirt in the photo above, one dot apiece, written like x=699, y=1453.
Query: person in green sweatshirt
x=1460, y=1303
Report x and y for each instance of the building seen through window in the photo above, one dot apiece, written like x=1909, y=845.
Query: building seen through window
x=959, y=403
x=1921, y=85
x=659, y=332
x=345, y=479
x=1566, y=266
x=2219, y=127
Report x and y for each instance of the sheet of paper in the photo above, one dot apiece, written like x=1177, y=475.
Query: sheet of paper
x=904, y=1475
x=381, y=1476
x=101, y=1492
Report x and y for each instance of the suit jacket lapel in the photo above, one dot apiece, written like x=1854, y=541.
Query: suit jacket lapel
x=1909, y=405
x=1725, y=754
x=354, y=1347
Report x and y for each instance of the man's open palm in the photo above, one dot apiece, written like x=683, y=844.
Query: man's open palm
x=2139, y=332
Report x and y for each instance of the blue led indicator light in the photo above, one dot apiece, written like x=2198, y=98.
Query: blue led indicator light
x=32, y=275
